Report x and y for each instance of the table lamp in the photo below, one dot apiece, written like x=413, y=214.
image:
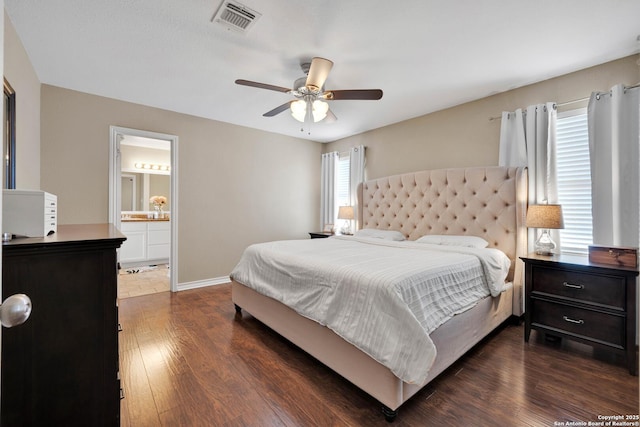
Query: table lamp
x=346, y=213
x=545, y=217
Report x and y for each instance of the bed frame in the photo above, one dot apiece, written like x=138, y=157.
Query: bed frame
x=489, y=202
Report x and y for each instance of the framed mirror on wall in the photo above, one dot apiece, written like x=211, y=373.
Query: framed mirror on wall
x=9, y=140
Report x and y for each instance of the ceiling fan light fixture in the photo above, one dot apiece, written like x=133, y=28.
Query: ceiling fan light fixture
x=319, y=110
x=299, y=110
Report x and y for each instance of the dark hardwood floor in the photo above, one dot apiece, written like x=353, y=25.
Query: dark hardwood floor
x=187, y=360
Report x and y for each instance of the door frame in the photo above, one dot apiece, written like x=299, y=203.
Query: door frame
x=116, y=134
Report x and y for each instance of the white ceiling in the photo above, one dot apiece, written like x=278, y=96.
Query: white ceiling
x=425, y=55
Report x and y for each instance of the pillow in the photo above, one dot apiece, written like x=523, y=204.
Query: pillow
x=380, y=234
x=450, y=240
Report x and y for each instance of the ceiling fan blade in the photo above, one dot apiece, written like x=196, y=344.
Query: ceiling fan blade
x=318, y=73
x=330, y=117
x=362, y=94
x=278, y=109
x=262, y=85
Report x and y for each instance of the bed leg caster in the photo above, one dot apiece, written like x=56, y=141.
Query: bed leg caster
x=389, y=414
x=238, y=309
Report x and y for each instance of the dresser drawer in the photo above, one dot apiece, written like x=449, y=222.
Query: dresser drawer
x=591, y=325
x=592, y=288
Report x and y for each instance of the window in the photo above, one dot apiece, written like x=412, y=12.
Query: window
x=341, y=173
x=574, y=180
x=343, y=198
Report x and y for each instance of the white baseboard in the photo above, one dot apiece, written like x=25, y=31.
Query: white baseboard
x=204, y=283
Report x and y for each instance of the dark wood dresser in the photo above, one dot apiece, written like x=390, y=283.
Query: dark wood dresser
x=569, y=297
x=61, y=366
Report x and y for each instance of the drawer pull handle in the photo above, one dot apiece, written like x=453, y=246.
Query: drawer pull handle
x=568, y=319
x=571, y=285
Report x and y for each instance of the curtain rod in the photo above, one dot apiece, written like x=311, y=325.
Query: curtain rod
x=575, y=101
x=557, y=104
x=624, y=89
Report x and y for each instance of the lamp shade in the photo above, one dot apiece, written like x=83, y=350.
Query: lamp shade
x=345, y=212
x=545, y=216
x=318, y=72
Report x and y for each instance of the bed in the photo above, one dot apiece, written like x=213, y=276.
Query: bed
x=485, y=202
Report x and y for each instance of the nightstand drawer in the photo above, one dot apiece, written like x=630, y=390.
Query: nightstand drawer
x=586, y=324
x=593, y=288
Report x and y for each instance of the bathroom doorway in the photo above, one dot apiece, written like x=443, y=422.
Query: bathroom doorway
x=143, y=206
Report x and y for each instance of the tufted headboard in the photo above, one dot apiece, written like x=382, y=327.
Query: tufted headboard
x=489, y=202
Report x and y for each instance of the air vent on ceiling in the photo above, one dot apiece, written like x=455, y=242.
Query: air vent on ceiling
x=235, y=16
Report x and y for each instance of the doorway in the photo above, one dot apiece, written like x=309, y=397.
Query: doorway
x=149, y=175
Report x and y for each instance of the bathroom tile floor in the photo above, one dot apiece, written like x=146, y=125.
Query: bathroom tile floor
x=136, y=281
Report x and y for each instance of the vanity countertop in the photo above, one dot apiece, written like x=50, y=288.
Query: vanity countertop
x=143, y=219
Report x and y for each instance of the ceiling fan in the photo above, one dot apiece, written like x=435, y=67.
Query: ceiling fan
x=310, y=105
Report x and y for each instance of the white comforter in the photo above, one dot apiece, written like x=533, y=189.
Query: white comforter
x=382, y=296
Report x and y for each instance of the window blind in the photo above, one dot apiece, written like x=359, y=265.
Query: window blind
x=574, y=180
x=342, y=182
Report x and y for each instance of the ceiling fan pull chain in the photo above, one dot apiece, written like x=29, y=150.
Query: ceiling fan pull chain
x=308, y=118
x=308, y=124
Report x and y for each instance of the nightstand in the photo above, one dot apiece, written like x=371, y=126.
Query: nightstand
x=569, y=297
x=320, y=234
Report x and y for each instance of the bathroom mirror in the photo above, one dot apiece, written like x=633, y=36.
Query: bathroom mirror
x=133, y=190
x=145, y=172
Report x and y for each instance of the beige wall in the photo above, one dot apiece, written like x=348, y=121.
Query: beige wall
x=237, y=185
x=464, y=136
x=21, y=76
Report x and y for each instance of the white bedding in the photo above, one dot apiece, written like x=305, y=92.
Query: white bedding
x=384, y=297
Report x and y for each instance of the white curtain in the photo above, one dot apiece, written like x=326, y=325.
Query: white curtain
x=614, y=139
x=356, y=176
x=328, y=172
x=513, y=146
x=528, y=138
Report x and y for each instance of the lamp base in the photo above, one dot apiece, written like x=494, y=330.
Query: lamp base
x=543, y=252
x=346, y=228
x=545, y=245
